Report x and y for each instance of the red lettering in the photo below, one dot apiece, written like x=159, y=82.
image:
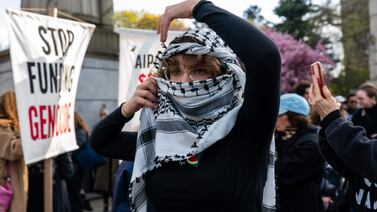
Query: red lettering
x=57, y=121
x=42, y=121
x=51, y=120
x=64, y=122
x=33, y=125
x=48, y=121
x=142, y=77
x=68, y=117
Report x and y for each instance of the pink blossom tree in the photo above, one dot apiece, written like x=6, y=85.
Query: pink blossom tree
x=296, y=57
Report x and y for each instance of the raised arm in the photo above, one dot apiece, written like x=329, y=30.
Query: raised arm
x=349, y=143
x=257, y=52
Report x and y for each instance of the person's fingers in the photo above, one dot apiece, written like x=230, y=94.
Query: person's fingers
x=326, y=92
x=150, y=85
x=146, y=94
x=165, y=27
x=158, y=24
x=153, y=85
x=311, y=95
x=146, y=103
x=316, y=88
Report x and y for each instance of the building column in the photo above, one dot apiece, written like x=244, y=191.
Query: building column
x=373, y=43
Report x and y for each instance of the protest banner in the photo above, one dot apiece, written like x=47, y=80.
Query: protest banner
x=46, y=55
x=138, y=51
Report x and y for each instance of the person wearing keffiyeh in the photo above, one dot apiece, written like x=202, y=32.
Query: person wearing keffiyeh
x=206, y=125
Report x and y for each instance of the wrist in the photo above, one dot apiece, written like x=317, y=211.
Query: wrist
x=124, y=111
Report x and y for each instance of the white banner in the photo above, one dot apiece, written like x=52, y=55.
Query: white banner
x=138, y=50
x=46, y=54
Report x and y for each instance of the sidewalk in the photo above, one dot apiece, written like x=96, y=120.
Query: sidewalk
x=96, y=202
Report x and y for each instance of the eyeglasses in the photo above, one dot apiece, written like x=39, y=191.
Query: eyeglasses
x=176, y=73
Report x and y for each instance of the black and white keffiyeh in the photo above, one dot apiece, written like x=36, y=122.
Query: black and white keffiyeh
x=191, y=116
x=269, y=189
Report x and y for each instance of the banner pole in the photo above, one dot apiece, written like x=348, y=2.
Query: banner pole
x=49, y=163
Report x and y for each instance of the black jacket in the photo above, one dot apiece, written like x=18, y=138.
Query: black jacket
x=367, y=118
x=352, y=154
x=299, y=170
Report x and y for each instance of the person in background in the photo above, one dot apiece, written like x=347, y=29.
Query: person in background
x=347, y=149
x=103, y=183
x=342, y=105
x=299, y=164
x=334, y=189
x=366, y=115
x=11, y=156
x=77, y=196
x=64, y=169
x=302, y=88
x=121, y=201
x=351, y=101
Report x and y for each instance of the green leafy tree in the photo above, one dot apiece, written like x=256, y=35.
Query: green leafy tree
x=293, y=13
x=355, y=30
x=142, y=20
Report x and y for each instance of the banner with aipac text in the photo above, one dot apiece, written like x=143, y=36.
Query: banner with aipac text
x=138, y=51
x=46, y=54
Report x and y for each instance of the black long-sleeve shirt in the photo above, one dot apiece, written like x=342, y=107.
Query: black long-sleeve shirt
x=349, y=151
x=231, y=172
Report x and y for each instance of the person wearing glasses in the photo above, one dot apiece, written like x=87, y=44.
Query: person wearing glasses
x=206, y=125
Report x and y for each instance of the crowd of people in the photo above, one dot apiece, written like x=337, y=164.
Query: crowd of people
x=215, y=135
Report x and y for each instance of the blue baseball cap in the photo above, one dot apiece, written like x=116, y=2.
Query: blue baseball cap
x=293, y=103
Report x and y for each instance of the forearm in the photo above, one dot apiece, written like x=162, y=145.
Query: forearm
x=108, y=139
x=351, y=144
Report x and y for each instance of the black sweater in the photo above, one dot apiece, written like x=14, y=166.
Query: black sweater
x=299, y=171
x=231, y=173
x=348, y=150
x=367, y=118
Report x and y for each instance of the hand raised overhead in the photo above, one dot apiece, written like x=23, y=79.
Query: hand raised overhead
x=181, y=10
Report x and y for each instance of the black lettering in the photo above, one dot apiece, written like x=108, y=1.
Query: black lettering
x=60, y=76
x=150, y=60
x=138, y=62
x=42, y=82
x=31, y=75
x=71, y=37
x=46, y=49
x=52, y=30
x=71, y=80
x=63, y=41
x=54, y=77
